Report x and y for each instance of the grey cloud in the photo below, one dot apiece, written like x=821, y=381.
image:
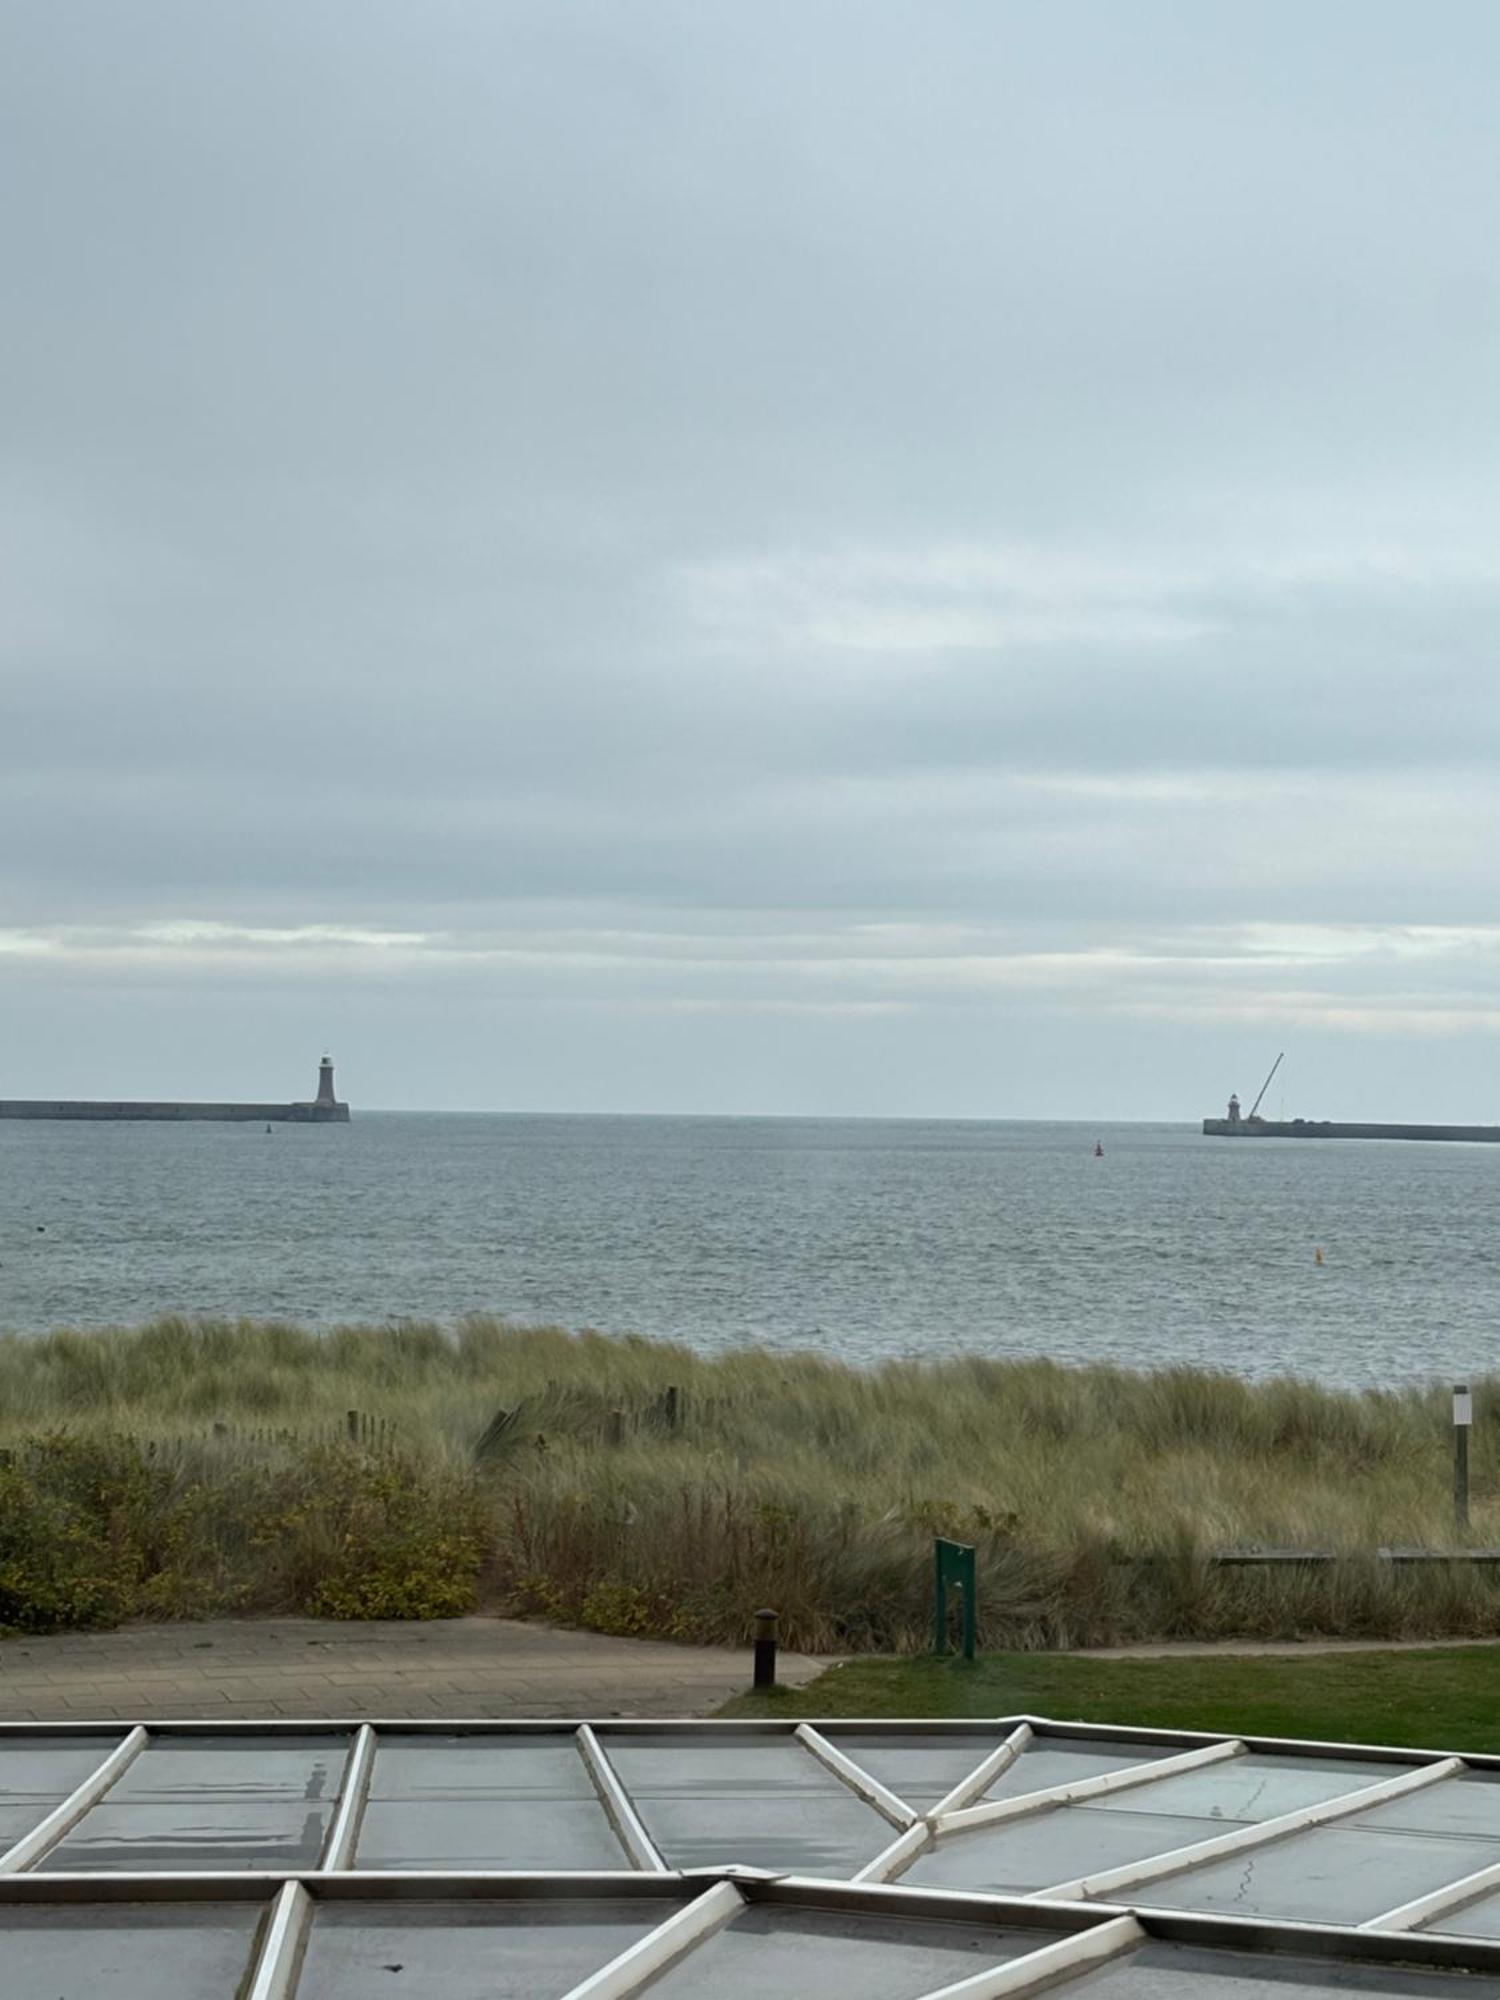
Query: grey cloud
x=564, y=472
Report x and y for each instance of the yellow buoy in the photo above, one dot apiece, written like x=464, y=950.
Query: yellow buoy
x=1317, y=1256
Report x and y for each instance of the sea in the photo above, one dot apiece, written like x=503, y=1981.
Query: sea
x=863, y=1239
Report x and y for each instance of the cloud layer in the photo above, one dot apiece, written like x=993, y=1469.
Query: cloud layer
x=671, y=558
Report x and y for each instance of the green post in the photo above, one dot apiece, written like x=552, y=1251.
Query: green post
x=953, y=1566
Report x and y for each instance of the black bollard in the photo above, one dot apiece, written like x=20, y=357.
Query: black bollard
x=767, y=1629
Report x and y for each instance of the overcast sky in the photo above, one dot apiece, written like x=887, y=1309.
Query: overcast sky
x=818, y=557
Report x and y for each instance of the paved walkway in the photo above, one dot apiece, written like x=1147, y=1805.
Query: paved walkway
x=309, y=1667
x=451, y=1667
x=1173, y=1649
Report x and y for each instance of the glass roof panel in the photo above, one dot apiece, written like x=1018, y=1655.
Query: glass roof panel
x=801, y=1954
x=765, y=1802
x=1187, y=1972
x=484, y=1801
x=1467, y=1805
x=17, y=1821
x=205, y=1833
x=133, y=1951
x=1055, y=1760
x=918, y=1768
x=492, y=1766
x=522, y=1950
x=237, y=1767
x=488, y=1833
x=1327, y=1875
x=214, y=1802
x=487, y=1797
x=1020, y=1856
x=1479, y=1919
x=48, y=1768
x=38, y=1772
x=1249, y=1788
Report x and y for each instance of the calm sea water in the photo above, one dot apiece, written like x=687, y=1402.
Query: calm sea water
x=857, y=1238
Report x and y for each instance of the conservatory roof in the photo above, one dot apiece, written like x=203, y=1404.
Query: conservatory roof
x=888, y=1860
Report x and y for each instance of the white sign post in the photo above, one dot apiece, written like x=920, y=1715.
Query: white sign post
x=1463, y=1418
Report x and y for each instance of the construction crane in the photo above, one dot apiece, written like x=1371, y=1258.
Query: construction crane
x=1267, y=1084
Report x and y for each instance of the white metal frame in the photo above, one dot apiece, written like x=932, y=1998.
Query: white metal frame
x=280, y=1961
x=652, y=1954
x=1087, y=1908
x=1197, y=1854
x=1441, y=1902
x=33, y=1846
x=1077, y=1954
x=940, y=1823
x=1079, y=1791
x=869, y=1788
x=984, y=1775
x=894, y=1860
x=1092, y=1935
x=343, y=1835
x=617, y=1803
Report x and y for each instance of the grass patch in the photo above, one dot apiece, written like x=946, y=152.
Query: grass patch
x=1443, y=1698
x=578, y=1489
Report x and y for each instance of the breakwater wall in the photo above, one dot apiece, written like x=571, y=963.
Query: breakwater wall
x=1309, y=1128
x=324, y=1109
x=164, y=1113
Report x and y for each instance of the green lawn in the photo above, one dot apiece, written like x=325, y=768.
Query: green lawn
x=1448, y=1698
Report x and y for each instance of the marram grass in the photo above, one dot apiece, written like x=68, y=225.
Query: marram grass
x=1095, y=1496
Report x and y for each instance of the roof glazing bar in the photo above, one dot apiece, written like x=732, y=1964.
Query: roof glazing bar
x=633, y=1969
x=870, y=1789
x=1178, y=1860
x=1078, y=1791
x=984, y=1775
x=1076, y=1954
x=1437, y=1902
x=42, y=1838
x=623, y=1816
x=897, y=1858
x=280, y=1958
x=894, y=1860
x=344, y=1832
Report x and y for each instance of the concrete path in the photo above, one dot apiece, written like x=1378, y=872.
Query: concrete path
x=452, y=1667
x=309, y=1667
x=1173, y=1649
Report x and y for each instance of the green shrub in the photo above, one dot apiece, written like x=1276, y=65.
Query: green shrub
x=380, y=1538
x=98, y=1528
x=55, y=1569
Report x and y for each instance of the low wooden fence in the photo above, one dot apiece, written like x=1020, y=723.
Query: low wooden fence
x=529, y=1421
x=358, y=1427
x=1321, y=1558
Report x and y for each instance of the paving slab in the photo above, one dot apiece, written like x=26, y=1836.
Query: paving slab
x=300, y=1667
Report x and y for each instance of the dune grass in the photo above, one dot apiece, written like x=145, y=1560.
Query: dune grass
x=1094, y=1496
